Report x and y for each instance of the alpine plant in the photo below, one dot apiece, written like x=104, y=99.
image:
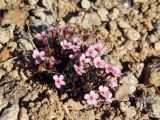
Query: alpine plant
x=76, y=68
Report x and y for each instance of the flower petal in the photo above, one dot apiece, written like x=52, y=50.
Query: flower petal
x=55, y=77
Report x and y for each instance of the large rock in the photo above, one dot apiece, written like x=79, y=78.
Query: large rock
x=152, y=72
x=23, y=114
x=2, y=73
x=45, y=16
x=3, y=103
x=157, y=46
x=103, y=13
x=86, y=4
x=2, y=4
x=91, y=19
x=132, y=34
x=128, y=81
x=4, y=36
x=48, y=4
x=10, y=113
x=15, y=16
x=150, y=103
x=123, y=24
x=32, y=2
x=25, y=44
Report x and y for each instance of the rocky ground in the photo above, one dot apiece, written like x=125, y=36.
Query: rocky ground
x=131, y=30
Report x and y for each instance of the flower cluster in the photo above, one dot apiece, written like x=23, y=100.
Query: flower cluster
x=76, y=66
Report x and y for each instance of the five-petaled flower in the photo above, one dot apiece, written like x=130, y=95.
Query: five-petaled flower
x=115, y=71
x=53, y=30
x=98, y=62
x=79, y=69
x=67, y=31
x=99, y=47
x=91, y=52
x=83, y=59
x=75, y=48
x=52, y=61
x=38, y=56
x=91, y=97
x=113, y=84
x=59, y=80
x=104, y=92
x=66, y=45
x=42, y=36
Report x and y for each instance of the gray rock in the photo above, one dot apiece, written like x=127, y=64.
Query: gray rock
x=157, y=46
x=4, y=36
x=123, y=92
x=86, y=4
x=123, y=24
x=23, y=114
x=152, y=38
x=3, y=103
x=136, y=68
x=2, y=73
x=25, y=44
x=114, y=14
x=74, y=104
x=90, y=115
x=132, y=34
x=32, y=2
x=41, y=13
x=112, y=60
x=91, y=19
x=103, y=13
x=150, y=103
x=2, y=5
x=12, y=45
x=113, y=25
x=10, y=113
x=152, y=72
x=10, y=16
x=128, y=79
x=130, y=112
x=48, y=4
x=103, y=33
x=31, y=96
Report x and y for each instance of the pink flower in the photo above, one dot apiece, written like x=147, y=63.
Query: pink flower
x=107, y=68
x=59, y=80
x=75, y=48
x=99, y=47
x=38, y=56
x=98, y=62
x=91, y=98
x=41, y=36
x=83, y=59
x=53, y=30
x=78, y=40
x=113, y=84
x=79, y=69
x=104, y=91
x=66, y=45
x=113, y=70
x=52, y=62
x=67, y=31
x=91, y=51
